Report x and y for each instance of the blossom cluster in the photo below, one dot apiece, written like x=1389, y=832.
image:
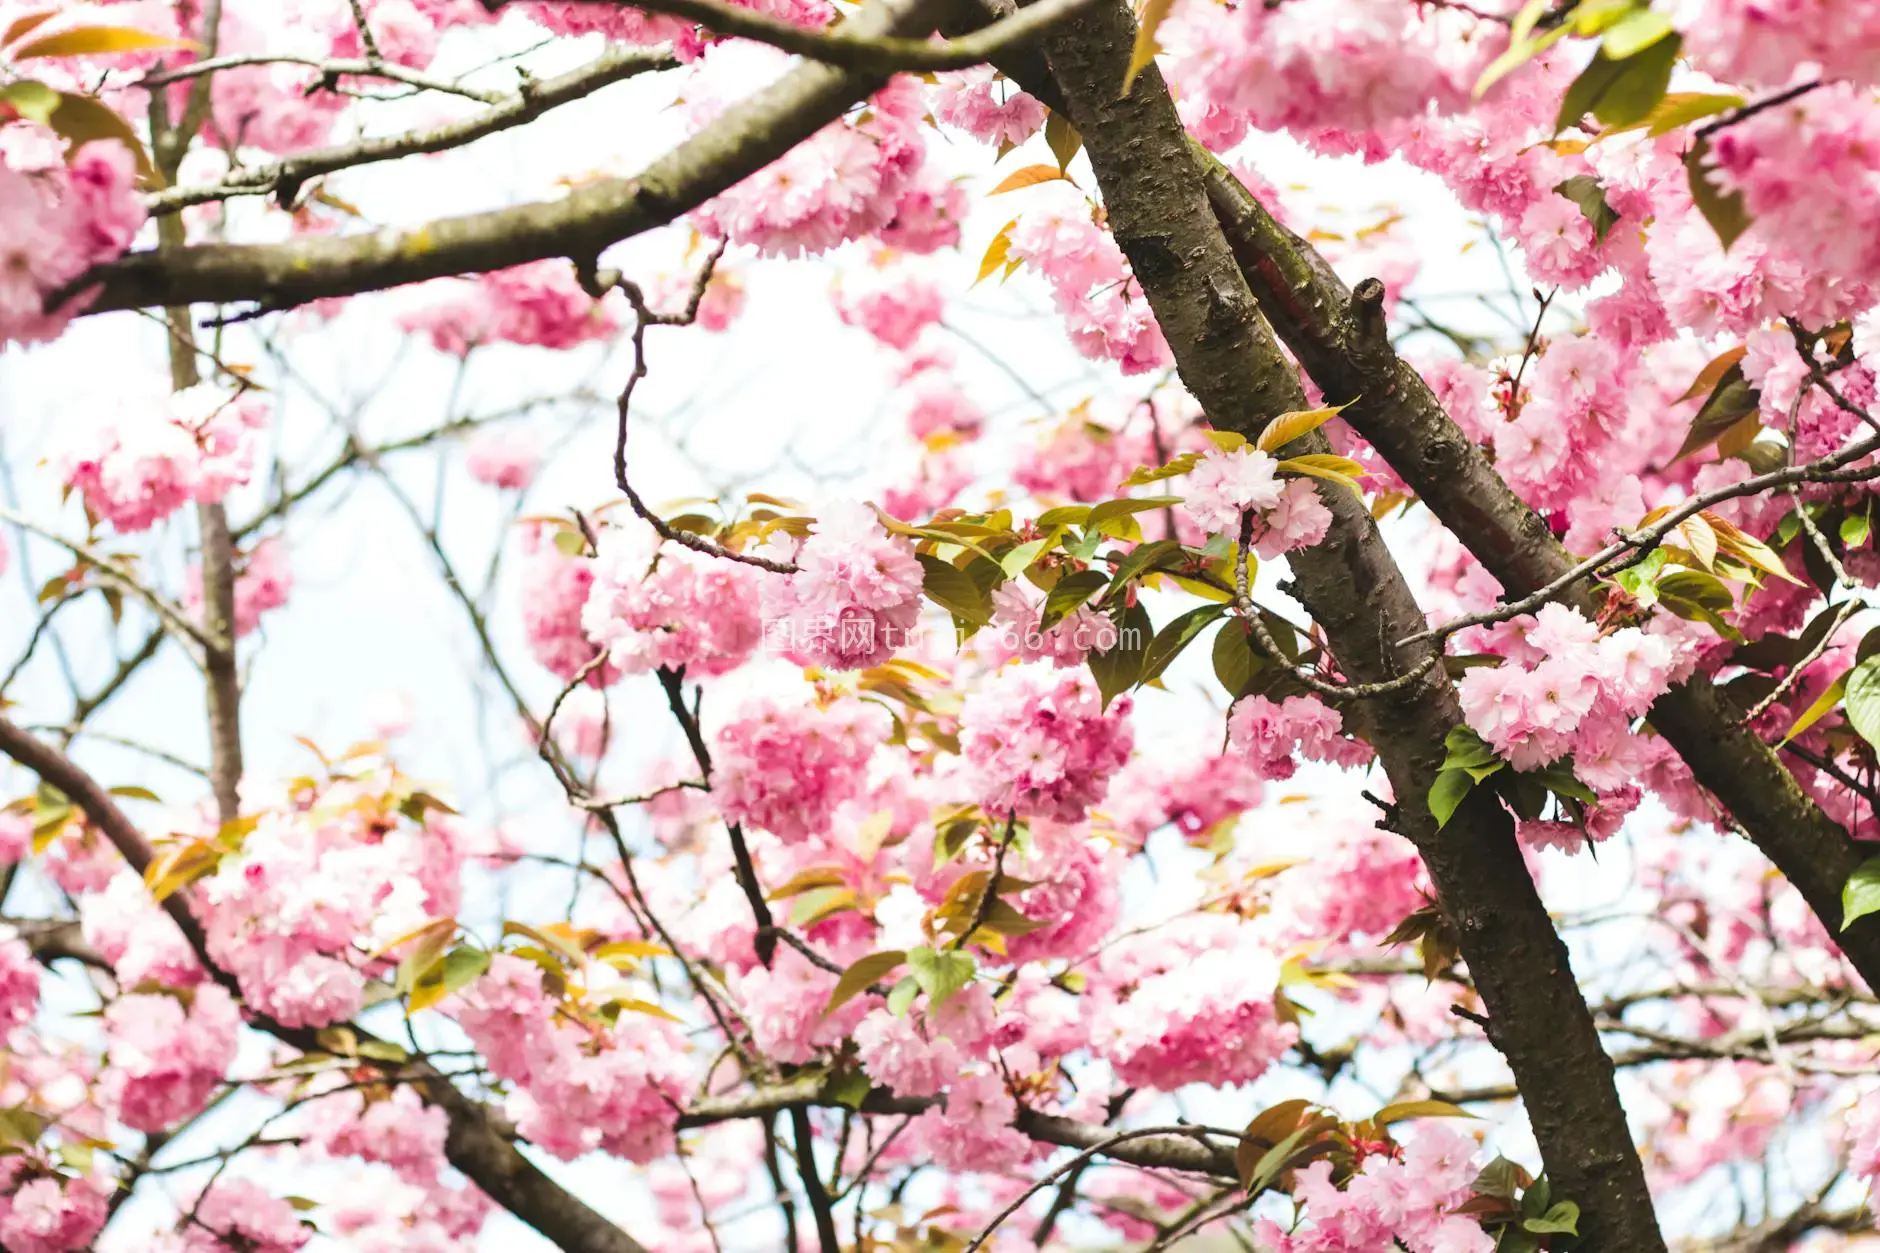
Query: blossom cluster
x=137, y=468
x=654, y=605
x=1225, y=486
x=1407, y=1197
x=855, y=594
x=1038, y=743
x=57, y=220
x=1568, y=689
x=785, y=766
x=580, y=1085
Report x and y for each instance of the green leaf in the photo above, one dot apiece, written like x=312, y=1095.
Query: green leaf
x=1694, y=587
x=1116, y=670
x=1730, y=401
x=1273, y=1162
x=848, y=1089
x=1725, y=211
x=1620, y=91
x=1561, y=1218
x=1500, y=1178
x=1069, y=595
x=856, y=978
x=1173, y=638
x=940, y=975
x=1855, y=528
x=1447, y=794
x=1402, y=1111
x=1589, y=193
x=1635, y=32
x=954, y=591
x=1141, y=559
x=1861, y=896
x=1015, y=562
x=1863, y=699
x=1104, y=516
x=1464, y=748
x=1538, y=1197
x=461, y=967
x=1235, y=661
x=31, y=100
x=902, y=996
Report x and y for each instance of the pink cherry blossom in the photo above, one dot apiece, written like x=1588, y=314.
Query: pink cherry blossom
x=662, y=605
x=1037, y=742
x=855, y=594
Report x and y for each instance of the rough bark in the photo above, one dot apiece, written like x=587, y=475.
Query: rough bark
x=1341, y=343
x=1159, y=211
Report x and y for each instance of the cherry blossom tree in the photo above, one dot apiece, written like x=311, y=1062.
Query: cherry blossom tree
x=1370, y=772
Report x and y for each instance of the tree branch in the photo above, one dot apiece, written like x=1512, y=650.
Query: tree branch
x=479, y=1141
x=1160, y=213
x=1337, y=335
x=284, y=178
x=741, y=141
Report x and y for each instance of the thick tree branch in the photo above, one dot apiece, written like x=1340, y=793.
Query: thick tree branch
x=741, y=141
x=1339, y=338
x=1159, y=211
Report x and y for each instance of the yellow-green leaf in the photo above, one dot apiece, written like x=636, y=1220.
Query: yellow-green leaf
x=1177, y=465
x=460, y=967
x=1332, y=468
x=805, y=880
x=81, y=119
x=93, y=41
x=1062, y=138
x=632, y=1005
x=1288, y=427
x=36, y=102
x=856, y=978
x=1823, y=705
x=1146, y=46
x=1404, y=1110
x=996, y=252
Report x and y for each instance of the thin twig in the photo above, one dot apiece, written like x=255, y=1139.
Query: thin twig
x=879, y=55
x=1250, y=614
x=642, y=319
